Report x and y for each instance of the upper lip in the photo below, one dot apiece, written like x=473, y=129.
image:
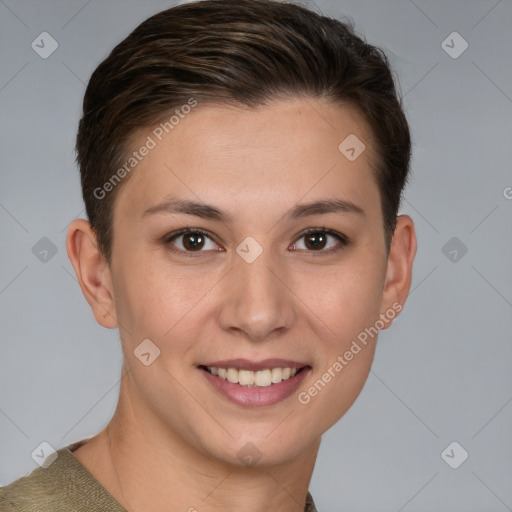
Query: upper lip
x=246, y=364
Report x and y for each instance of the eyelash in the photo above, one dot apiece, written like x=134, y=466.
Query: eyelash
x=342, y=240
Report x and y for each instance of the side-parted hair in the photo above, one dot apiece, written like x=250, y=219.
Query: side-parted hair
x=239, y=52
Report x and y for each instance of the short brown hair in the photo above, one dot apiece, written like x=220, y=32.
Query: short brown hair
x=244, y=52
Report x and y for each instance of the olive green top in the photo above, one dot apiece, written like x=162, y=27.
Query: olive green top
x=66, y=486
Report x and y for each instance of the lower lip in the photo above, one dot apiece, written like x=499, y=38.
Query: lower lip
x=256, y=396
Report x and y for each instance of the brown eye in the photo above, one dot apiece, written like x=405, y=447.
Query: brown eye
x=315, y=241
x=321, y=241
x=189, y=241
x=193, y=241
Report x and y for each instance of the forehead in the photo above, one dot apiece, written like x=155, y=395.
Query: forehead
x=273, y=154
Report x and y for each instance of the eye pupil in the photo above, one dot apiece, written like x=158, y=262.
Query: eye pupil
x=193, y=241
x=316, y=240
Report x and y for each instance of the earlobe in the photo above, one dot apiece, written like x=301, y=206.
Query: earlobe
x=399, y=268
x=92, y=272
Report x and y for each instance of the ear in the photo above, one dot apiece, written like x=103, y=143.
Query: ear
x=399, y=269
x=92, y=271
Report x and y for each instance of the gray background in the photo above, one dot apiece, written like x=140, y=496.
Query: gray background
x=441, y=374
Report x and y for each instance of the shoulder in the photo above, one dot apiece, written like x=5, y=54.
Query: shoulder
x=310, y=504
x=44, y=488
x=64, y=485
x=5, y=504
x=34, y=492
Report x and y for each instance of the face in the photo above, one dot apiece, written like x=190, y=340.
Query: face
x=248, y=246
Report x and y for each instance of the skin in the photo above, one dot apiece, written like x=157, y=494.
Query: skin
x=173, y=441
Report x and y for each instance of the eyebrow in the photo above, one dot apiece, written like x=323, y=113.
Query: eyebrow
x=202, y=210
x=206, y=211
x=325, y=206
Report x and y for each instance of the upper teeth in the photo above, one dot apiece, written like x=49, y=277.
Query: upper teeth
x=250, y=378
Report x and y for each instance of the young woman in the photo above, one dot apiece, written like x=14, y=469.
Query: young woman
x=242, y=164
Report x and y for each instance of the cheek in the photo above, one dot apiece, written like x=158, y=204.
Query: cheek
x=336, y=386
x=345, y=299
x=349, y=304
x=155, y=300
x=351, y=311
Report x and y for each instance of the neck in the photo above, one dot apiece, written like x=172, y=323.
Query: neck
x=149, y=469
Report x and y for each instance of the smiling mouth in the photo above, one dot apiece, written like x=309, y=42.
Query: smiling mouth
x=260, y=378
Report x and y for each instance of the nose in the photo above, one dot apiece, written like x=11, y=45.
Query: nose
x=256, y=303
